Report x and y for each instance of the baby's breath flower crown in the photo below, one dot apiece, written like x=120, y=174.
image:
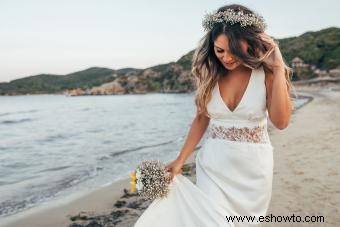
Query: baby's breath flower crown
x=232, y=17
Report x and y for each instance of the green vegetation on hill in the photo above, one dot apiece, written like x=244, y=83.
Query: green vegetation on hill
x=321, y=48
x=47, y=83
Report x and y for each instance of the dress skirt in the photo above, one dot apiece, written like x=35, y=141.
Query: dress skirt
x=237, y=175
x=233, y=179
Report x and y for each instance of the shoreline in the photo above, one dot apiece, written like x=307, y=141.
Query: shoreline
x=59, y=211
x=321, y=80
x=88, y=202
x=102, y=201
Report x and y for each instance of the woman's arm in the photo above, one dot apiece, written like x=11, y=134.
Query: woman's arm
x=198, y=127
x=278, y=99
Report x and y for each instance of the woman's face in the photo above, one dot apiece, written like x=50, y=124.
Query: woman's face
x=222, y=52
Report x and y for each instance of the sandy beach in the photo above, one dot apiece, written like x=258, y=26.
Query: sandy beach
x=307, y=157
x=306, y=176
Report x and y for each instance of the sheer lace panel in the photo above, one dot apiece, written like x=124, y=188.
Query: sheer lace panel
x=244, y=134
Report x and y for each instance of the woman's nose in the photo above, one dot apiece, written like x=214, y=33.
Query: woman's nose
x=227, y=58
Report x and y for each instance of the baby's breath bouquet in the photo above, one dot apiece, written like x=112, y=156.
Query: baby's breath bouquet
x=150, y=179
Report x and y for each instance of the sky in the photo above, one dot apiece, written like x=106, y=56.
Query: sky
x=65, y=36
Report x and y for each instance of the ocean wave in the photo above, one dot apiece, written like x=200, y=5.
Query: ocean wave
x=117, y=153
x=17, y=165
x=54, y=169
x=8, y=182
x=33, y=195
x=56, y=137
x=18, y=112
x=7, y=122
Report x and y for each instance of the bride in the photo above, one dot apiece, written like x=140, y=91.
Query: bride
x=241, y=80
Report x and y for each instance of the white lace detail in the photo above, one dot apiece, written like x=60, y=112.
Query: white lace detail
x=245, y=134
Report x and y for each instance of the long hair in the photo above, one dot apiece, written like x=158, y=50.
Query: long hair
x=207, y=69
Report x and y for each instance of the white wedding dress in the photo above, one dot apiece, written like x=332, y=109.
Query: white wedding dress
x=234, y=168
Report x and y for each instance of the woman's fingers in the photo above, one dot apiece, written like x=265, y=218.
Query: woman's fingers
x=274, y=44
x=266, y=38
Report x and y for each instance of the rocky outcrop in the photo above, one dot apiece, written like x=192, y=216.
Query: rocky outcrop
x=108, y=89
x=167, y=78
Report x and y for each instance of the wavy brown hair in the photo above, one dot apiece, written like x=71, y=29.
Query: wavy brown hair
x=207, y=69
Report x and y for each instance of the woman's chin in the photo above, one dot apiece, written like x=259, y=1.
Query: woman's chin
x=231, y=66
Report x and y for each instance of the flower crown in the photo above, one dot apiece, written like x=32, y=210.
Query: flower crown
x=231, y=16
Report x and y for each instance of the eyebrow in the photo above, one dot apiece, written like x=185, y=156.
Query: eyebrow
x=218, y=47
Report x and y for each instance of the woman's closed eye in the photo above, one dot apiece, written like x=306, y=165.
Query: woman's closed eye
x=222, y=51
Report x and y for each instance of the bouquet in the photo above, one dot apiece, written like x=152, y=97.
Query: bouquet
x=150, y=179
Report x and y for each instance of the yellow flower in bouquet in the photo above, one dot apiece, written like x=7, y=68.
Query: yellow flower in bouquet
x=133, y=181
x=150, y=180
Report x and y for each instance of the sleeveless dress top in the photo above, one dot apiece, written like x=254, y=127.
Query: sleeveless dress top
x=248, y=121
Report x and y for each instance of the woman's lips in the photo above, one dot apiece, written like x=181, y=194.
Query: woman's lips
x=229, y=63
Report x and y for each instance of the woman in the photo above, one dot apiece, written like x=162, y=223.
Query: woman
x=241, y=80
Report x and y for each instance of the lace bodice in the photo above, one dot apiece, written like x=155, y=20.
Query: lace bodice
x=248, y=121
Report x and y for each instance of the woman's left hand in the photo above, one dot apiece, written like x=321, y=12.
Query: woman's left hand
x=175, y=167
x=274, y=59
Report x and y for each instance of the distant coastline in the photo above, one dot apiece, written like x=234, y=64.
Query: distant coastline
x=313, y=55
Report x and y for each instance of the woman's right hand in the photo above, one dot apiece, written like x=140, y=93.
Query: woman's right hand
x=175, y=167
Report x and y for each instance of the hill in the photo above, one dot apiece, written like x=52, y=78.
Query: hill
x=321, y=49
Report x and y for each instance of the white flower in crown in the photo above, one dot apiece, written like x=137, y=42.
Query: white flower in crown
x=232, y=17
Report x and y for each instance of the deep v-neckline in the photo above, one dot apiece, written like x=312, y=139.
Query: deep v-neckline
x=242, y=98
